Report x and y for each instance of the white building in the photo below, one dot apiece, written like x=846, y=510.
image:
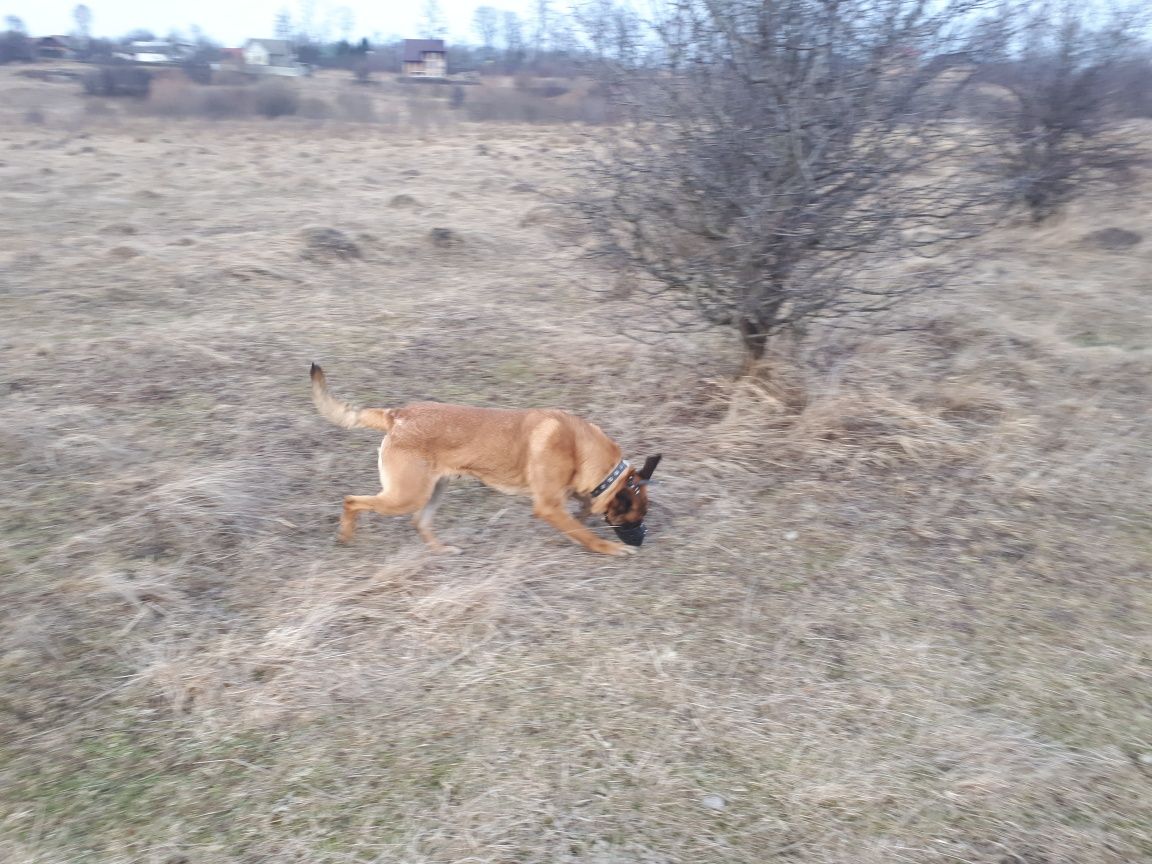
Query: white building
x=271, y=57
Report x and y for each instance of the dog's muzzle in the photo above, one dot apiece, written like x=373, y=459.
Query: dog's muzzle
x=633, y=535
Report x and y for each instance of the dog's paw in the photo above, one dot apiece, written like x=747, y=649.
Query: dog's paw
x=450, y=550
x=619, y=549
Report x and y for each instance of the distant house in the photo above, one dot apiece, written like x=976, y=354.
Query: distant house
x=272, y=57
x=159, y=51
x=424, y=58
x=53, y=48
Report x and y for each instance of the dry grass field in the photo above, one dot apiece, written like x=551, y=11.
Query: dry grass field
x=894, y=610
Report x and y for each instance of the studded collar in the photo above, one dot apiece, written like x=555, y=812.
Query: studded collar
x=610, y=479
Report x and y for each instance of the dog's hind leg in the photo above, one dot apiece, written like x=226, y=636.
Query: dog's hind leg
x=423, y=519
x=408, y=485
x=354, y=505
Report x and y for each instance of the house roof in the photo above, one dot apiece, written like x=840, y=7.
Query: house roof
x=415, y=49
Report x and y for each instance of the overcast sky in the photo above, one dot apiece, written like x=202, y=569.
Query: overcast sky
x=233, y=21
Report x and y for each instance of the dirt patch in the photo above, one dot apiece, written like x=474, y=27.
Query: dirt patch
x=445, y=238
x=327, y=244
x=120, y=229
x=1113, y=239
x=545, y=214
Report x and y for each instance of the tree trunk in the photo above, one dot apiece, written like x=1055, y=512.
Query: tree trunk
x=756, y=328
x=754, y=336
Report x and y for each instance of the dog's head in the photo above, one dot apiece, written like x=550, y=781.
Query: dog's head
x=629, y=505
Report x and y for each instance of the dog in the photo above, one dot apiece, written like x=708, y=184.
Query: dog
x=544, y=453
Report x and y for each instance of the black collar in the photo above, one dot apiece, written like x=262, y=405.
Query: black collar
x=610, y=479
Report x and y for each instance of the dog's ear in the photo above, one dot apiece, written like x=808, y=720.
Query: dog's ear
x=649, y=466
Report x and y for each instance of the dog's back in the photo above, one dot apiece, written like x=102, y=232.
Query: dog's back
x=496, y=445
x=502, y=446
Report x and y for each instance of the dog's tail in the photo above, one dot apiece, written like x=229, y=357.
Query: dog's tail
x=343, y=414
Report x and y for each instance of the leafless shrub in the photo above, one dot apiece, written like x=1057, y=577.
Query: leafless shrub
x=223, y=102
x=314, y=108
x=178, y=98
x=96, y=108
x=427, y=112
x=358, y=107
x=777, y=151
x=547, y=88
x=15, y=46
x=198, y=71
x=276, y=99
x=1064, y=67
x=173, y=97
x=230, y=77
x=1129, y=83
x=362, y=73
x=130, y=81
x=507, y=105
x=50, y=75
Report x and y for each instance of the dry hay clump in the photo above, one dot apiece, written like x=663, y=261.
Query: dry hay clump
x=852, y=425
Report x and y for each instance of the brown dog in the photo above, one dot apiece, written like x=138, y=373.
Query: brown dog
x=546, y=453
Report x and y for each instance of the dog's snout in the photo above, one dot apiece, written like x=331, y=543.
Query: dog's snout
x=633, y=535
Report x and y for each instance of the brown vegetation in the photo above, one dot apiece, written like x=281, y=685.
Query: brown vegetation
x=892, y=607
x=181, y=98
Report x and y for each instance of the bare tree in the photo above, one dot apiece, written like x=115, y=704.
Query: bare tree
x=542, y=27
x=778, y=150
x=15, y=46
x=486, y=23
x=513, y=37
x=346, y=21
x=1060, y=68
x=609, y=31
x=283, y=25
x=432, y=24
x=306, y=24
x=82, y=15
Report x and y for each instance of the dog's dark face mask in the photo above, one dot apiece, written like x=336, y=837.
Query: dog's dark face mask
x=629, y=506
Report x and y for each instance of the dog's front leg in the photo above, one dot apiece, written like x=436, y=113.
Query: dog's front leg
x=555, y=514
x=585, y=509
